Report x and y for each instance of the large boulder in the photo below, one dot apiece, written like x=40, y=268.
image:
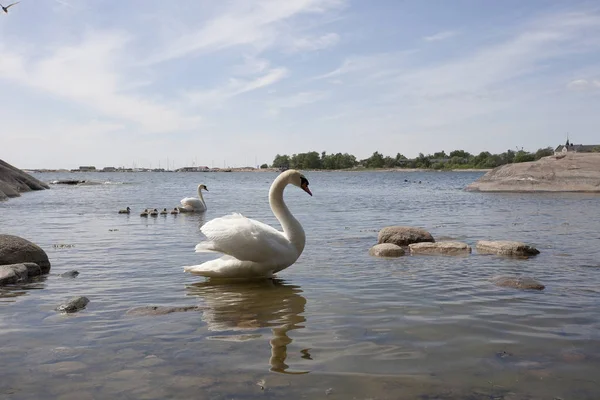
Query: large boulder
x=445, y=248
x=403, y=235
x=386, y=250
x=570, y=172
x=506, y=248
x=13, y=181
x=16, y=250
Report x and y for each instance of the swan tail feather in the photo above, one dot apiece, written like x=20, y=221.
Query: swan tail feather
x=206, y=247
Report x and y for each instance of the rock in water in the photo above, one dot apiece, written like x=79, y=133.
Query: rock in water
x=73, y=305
x=518, y=282
x=506, y=248
x=15, y=273
x=573, y=172
x=16, y=250
x=403, y=235
x=386, y=250
x=160, y=310
x=446, y=248
x=13, y=181
x=70, y=274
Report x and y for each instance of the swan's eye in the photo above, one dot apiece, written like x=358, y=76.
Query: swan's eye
x=303, y=181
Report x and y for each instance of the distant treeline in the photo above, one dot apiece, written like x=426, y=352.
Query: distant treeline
x=457, y=159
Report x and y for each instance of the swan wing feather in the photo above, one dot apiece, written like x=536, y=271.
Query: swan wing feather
x=245, y=239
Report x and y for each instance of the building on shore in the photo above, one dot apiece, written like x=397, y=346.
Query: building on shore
x=577, y=148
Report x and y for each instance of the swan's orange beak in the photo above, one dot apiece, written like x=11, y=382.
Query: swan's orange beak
x=304, y=187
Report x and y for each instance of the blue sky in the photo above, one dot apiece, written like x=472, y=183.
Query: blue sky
x=110, y=83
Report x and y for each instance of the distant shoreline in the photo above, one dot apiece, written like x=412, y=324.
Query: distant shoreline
x=43, y=171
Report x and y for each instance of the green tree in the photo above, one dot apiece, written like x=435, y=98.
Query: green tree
x=548, y=151
x=281, y=161
x=375, y=161
x=264, y=166
x=523, y=156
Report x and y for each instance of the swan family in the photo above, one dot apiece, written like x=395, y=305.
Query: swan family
x=250, y=248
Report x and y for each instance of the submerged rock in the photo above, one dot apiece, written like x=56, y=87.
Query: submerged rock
x=15, y=273
x=386, y=250
x=446, y=248
x=506, y=248
x=403, y=235
x=160, y=310
x=518, y=282
x=16, y=250
x=571, y=172
x=70, y=274
x=73, y=305
x=67, y=182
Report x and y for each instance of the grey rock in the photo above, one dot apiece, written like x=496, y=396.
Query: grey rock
x=15, y=273
x=386, y=250
x=160, y=310
x=518, y=282
x=70, y=274
x=73, y=305
x=16, y=250
x=403, y=235
x=573, y=172
x=13, y=181
x=506, y=248
x=445, y=248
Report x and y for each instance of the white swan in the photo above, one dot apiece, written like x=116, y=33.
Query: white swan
x=194, y=204
x=251, y=248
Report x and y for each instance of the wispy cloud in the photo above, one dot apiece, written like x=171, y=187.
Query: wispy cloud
x=314, y=43
x=583, y=84
x=440, y=36
x=87, y=73
x=294, y=101
x=215, y=97
x=252, y=24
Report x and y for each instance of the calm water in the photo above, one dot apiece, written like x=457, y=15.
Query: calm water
x=338, y=324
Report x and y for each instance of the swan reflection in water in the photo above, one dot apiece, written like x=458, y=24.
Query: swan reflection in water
x=250, y=306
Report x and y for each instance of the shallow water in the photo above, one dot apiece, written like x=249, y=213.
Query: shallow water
x=338, y=324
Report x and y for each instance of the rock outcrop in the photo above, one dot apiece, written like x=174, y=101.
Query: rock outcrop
x=444, y=248
x=20, y=259
x=386, y=250
x=13, y=181
x=570, y=172
x=403, y=235
x=506, y=248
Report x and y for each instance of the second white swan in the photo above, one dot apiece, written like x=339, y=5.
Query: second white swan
x=252, y=249
x=194, y=204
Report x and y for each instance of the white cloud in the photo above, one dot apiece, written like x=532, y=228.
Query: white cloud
x=252, y=65
x=440, y=36
x=314, y=43
x=294, y=101
x=583, y=84
x=244, y=23
x=215, y=97
x=88, y=74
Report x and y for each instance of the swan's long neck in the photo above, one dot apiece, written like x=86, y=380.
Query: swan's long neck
x=291, y=227
x=200, y=196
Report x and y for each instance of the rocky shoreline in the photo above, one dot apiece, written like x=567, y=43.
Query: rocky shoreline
x=13, y=181
x=570, y=172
